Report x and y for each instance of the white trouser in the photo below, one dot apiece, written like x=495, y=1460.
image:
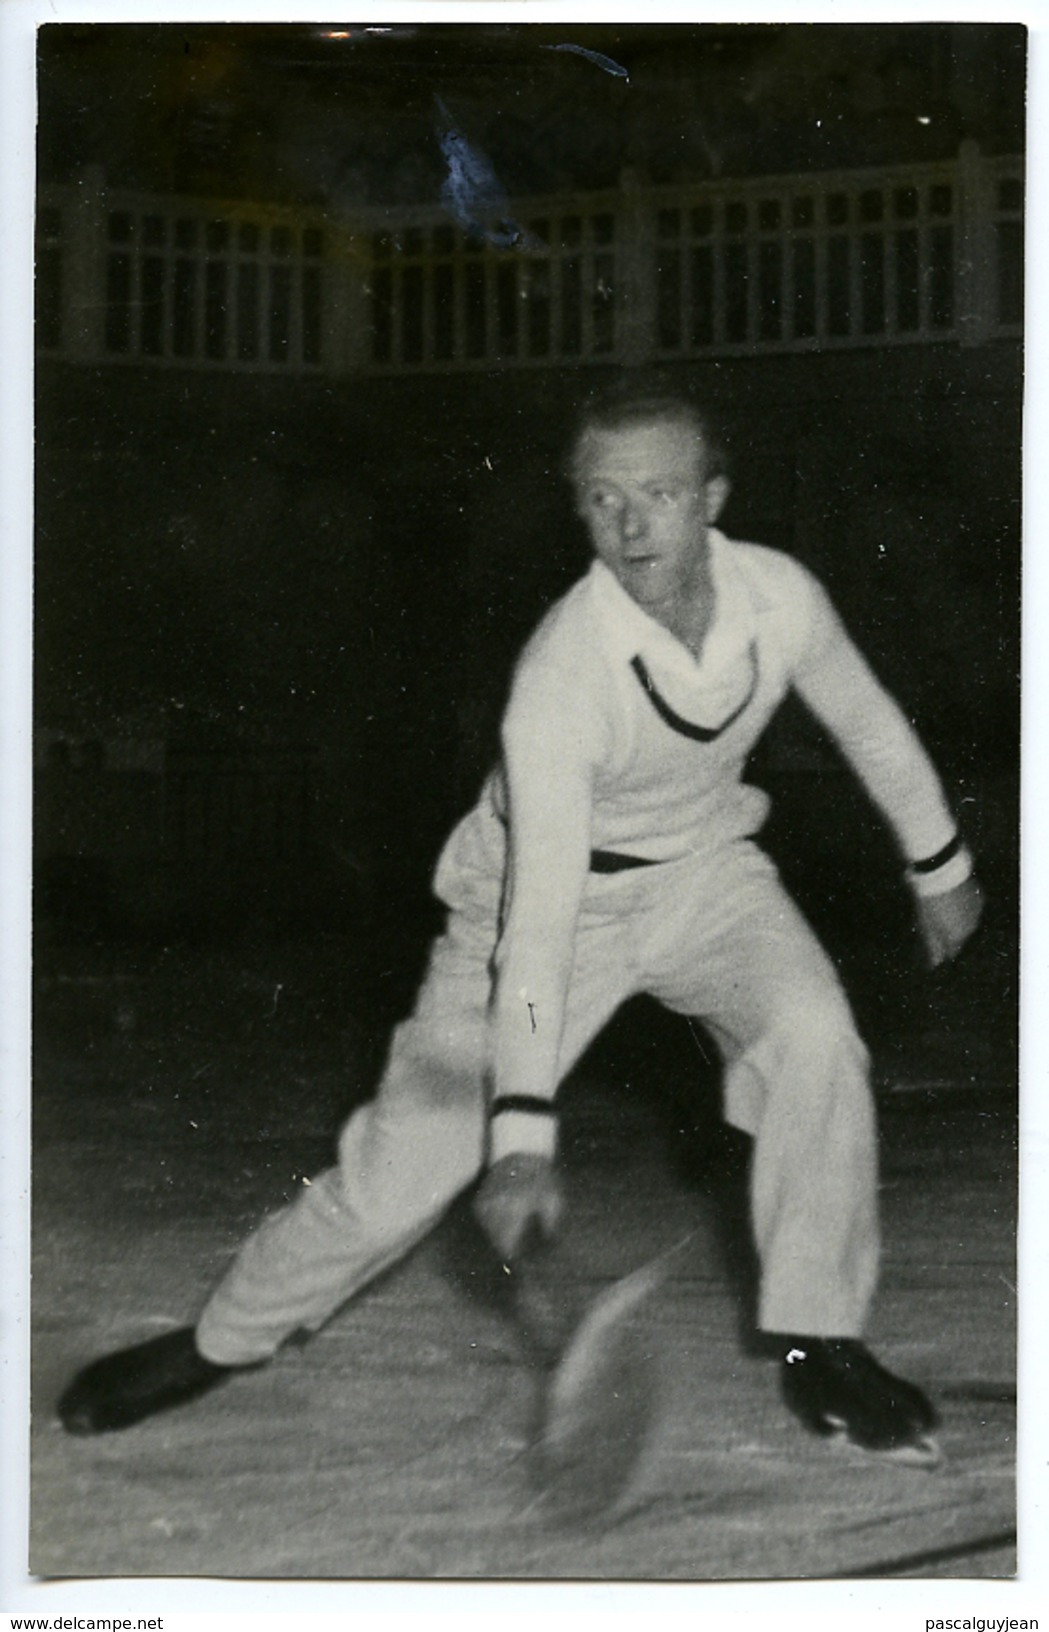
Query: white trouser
x=722, y=942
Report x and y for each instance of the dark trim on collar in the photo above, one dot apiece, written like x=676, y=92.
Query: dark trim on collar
x=685, y=728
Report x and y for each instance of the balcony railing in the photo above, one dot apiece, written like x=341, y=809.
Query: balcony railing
x=912, y=253
x=179, y=281
x=443, y=296
x=830, y=260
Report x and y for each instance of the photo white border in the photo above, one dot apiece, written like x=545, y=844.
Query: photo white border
x=185, y=1602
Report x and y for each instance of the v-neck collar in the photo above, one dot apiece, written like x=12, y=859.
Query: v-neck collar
x=634, y=631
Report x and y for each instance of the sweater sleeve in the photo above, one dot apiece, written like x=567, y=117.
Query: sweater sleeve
x=837, y=684
x=551, y=743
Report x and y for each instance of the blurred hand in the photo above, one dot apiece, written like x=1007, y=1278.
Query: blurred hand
x=946, y=921
x=518, y=1196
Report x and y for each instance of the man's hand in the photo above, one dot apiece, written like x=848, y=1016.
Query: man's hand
x=946, y=921
x=517, y=1195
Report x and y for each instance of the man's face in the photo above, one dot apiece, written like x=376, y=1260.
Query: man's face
x=645, y=496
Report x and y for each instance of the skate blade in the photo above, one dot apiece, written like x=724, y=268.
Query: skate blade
x=925, y=1453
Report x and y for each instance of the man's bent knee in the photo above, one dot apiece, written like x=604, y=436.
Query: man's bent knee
x=398, y=1170
x=817, y=1029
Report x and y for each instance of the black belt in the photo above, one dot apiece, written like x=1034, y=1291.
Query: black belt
x=612, y=861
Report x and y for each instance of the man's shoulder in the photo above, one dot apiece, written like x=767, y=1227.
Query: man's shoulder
x=789, y=600
x=565, y=632
x=769, y=571
x=560, y=676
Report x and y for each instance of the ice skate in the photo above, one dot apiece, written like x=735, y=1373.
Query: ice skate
x=124, y=1388
x=836, y=1387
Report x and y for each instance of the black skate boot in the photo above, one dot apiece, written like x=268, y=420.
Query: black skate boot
x=123, y=1388
x=835, y=1385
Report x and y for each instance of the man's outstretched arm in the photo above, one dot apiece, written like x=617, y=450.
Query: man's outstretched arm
x=548, y=782
x=837, y=684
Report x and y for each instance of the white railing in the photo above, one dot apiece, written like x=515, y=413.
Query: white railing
x=542, y=287
x=176, y=280
x=784, y=263
x=863, y=257
x=811, y=262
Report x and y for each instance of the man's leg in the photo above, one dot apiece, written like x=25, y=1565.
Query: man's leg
x=797, y=1080
x=402, y=1159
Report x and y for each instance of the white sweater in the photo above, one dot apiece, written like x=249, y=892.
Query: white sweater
x=589, y=763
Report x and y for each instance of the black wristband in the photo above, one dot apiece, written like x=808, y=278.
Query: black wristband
x=931, y=864
x=531, y=1104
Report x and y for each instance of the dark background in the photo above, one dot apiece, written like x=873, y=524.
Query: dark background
x=324, y=582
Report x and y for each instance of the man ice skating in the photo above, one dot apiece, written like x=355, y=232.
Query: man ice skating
x=612, y=852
